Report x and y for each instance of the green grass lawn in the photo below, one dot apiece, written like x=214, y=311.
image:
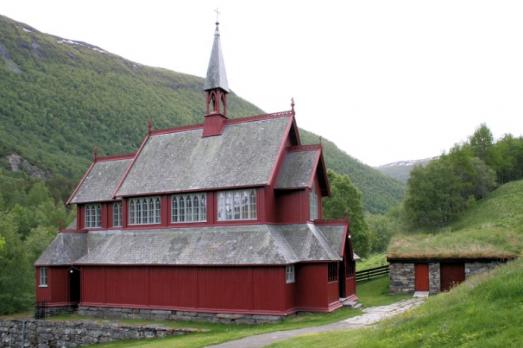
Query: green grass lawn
x=372, y=261
x=484, y=311
x=376, y=293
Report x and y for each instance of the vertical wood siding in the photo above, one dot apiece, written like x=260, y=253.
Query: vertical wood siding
x=260, y=289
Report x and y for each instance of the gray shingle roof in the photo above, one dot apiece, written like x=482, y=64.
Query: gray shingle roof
x=65, y=249
x=230, y=245
x=101, y=181
x=244, y=155
x=297, y=169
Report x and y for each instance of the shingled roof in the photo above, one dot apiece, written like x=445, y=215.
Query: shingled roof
x=65, y=249
x=298, y=169
x=245, y=154
x=100, y=181
x=231, y=245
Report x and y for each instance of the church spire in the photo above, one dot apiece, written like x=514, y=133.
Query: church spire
x=216, y=86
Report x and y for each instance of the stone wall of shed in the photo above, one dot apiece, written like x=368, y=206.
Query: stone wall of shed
x=472, y=268
x=401, y=277
x=44, y=333
x=434, y=278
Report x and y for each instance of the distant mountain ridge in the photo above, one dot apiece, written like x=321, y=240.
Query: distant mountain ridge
x=60, y=97
x=401, y=170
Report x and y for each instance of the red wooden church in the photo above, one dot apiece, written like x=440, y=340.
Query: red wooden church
x=221, y=218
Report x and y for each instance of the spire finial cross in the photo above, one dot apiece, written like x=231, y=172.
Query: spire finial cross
x=217, y=11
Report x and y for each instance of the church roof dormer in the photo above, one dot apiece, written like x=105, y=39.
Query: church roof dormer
x=216, y=75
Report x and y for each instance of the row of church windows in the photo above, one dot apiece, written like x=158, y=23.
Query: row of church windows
x=232, y=205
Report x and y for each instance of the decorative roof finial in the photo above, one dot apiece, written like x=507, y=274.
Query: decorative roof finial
x=292, y=105
x=149, y=126
x=217, y=19
x=95, y=153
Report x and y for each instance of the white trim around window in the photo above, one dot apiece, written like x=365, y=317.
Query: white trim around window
x=290, y=276
x=42, y=283
x=237, y=205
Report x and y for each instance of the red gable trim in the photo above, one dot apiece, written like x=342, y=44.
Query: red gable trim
x=260, y=117
x=116, y=157
x=80, y=183
x=130, y=165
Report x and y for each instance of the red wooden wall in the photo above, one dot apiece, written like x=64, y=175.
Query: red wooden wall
x=57, y=290
x=313, y=291
x=216, y=289
x=227, y=289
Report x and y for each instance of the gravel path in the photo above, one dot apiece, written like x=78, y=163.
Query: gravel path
x=369, y=317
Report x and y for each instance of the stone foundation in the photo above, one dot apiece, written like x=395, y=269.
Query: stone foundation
x=44, y=333
x=401, y=277
x=156, y=314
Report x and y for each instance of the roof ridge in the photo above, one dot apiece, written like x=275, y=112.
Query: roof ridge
x=233, y=121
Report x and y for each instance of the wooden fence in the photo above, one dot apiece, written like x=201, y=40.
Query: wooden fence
x=372, y=273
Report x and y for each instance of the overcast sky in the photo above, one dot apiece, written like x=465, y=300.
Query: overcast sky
x=385, y=80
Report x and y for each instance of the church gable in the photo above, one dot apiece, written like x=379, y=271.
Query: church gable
x=100, y=181
x=298, y=169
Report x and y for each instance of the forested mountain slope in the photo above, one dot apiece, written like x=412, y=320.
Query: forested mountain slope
x=59, y=98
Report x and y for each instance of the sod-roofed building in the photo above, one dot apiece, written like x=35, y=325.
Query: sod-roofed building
x=431, y=264
x=220, y=218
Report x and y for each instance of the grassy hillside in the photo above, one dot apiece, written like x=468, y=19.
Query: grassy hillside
x=59, y=98
x=494, y=226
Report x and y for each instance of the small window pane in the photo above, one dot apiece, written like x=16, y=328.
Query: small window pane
x=92, y=215
x=43, y=276
x=289, y=274
x=117, y=214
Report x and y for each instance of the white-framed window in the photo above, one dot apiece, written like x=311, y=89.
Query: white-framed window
x=289, y=274
x=93, y=215
x=117, y=214
x=313, y=203
x=237, y=205
x=144, y=211
x=190, y=207
x=43, y=277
